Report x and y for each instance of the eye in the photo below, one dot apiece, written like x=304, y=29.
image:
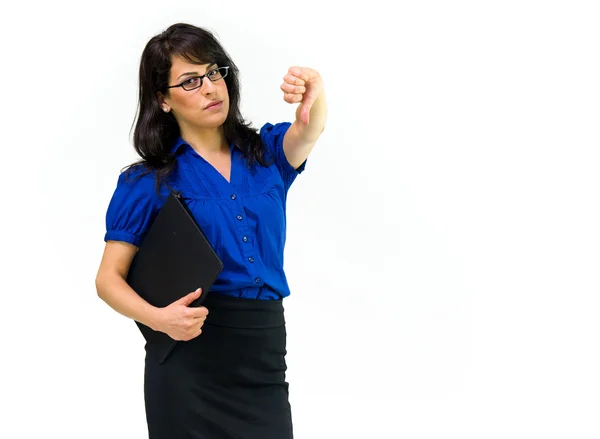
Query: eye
x=192, y=82
x=214, y=72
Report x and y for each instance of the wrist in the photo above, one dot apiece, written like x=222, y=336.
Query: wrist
x=154, y=318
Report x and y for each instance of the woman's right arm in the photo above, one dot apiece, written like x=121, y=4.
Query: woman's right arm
x=112, y=287
x=177, y=320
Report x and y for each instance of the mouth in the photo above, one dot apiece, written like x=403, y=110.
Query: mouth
x=213, y=105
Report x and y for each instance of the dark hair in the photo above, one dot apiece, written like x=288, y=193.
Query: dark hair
x=156, y=131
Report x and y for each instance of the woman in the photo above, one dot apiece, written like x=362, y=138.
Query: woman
x=226, y=379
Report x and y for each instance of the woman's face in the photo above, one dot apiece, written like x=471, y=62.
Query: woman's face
x=204, y=107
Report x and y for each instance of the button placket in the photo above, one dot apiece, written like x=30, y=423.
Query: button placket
x=247, y=250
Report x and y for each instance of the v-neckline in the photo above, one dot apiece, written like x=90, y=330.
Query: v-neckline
x=228, y=182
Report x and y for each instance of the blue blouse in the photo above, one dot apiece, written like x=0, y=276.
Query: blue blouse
x=244, y=219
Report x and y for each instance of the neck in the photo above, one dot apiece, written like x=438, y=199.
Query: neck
x=205, y=140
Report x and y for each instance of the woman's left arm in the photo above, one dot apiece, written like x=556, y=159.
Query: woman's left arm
x=304, y=86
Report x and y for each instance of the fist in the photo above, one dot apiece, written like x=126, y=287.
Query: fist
x=182, y=322
x=302, y=85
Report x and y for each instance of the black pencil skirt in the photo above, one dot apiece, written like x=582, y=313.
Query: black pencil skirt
x=227, y=383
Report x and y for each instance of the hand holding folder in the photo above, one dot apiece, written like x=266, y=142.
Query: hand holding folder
x=182, y=323
x=174, y=259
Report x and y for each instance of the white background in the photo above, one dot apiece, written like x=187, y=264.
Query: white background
x=443, y=246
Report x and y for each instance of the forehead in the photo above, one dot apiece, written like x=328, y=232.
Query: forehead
x=180, y=66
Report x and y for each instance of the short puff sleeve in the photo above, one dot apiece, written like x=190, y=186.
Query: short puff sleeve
x=272, y=136
x=133, y=207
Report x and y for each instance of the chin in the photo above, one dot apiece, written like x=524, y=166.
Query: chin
x=213, y=122
x=222, y=116
x=221, y=119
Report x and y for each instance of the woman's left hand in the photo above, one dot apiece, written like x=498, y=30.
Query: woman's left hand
x=302, y=85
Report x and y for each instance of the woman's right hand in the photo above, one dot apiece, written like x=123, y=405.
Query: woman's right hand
x=180, y=321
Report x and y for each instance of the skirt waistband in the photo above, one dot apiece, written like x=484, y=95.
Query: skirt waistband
x=236, y=312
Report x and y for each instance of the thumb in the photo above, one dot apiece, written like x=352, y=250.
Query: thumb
x=186, y=300
x=305, y=112
x=308, y=100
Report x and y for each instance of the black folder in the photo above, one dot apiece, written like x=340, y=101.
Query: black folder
x=174, y=259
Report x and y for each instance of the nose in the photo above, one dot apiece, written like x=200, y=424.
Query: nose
x=207, y=86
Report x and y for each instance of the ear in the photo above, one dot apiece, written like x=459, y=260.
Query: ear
x=162, y=102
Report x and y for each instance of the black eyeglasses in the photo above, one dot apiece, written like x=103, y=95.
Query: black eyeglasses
x=196, y=81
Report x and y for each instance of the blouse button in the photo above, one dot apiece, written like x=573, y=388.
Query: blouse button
x=233, y=196
x=239, y=217
x=245, y=239
x=250, y=259
x=257, y=280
